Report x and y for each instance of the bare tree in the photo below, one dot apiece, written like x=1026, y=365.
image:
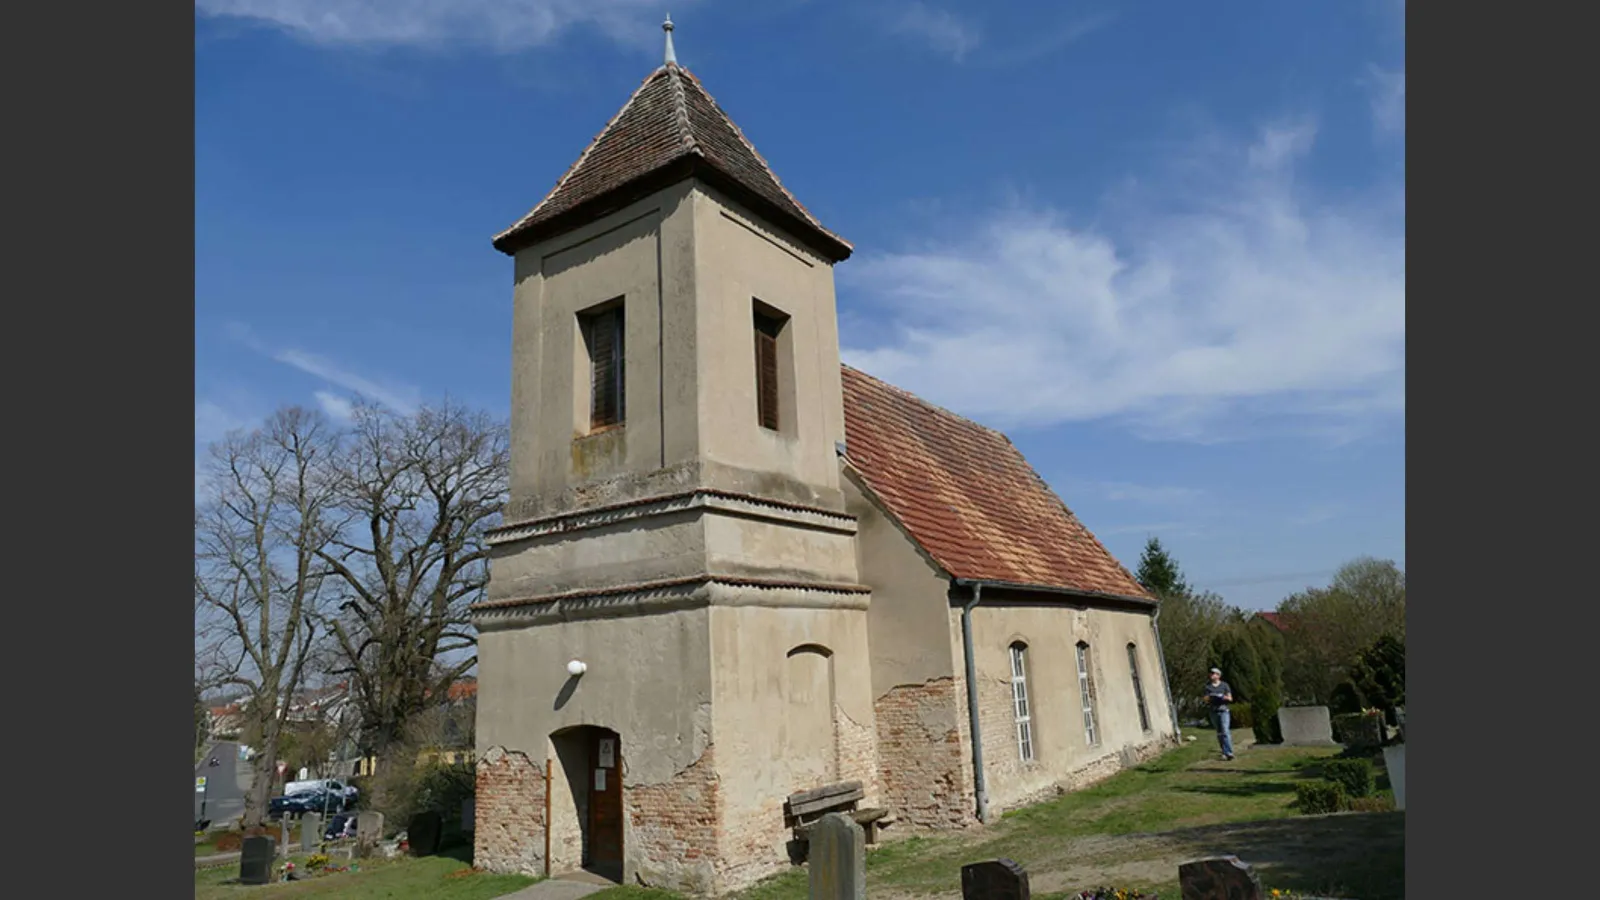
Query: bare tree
x=420, y=491
x=258, y=579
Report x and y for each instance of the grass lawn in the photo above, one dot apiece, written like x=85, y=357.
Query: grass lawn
x=1130, y=831
x=1134, y=829
x=441, y=877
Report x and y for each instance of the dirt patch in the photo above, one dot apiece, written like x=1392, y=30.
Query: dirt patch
x=1366, y=850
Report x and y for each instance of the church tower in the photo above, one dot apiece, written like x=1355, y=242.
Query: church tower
x=674, y=635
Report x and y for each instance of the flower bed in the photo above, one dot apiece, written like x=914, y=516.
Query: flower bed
x=1106, y=893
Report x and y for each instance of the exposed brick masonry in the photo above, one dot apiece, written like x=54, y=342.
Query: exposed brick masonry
x=510, y=813
x=856, y=749
x=673, y=837
x=925, y=779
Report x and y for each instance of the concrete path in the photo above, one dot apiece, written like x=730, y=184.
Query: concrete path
x=559, y=888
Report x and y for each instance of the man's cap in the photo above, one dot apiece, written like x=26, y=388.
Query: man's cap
x=1215, y=671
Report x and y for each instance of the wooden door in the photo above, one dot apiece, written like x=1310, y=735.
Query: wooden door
x=605, y=804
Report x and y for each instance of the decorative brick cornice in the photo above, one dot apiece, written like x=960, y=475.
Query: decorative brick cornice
x=667, y=595
x=725, y=502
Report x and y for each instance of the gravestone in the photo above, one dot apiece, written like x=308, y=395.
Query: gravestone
x=310, y=832
x=255, y=860
x=1218, y=878
x=1306, y=726
x=369, y=831
x=422, y=835
x=995, y=879
x=838, y=859
x=1394, y=762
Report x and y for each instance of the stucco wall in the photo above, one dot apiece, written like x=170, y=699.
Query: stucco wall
x=640, y=254
x=917, y=704
x=739, y=260
x=649, y=680
x=632, y=551
x=1062, y=755
x=790, y=700
x=780, y=721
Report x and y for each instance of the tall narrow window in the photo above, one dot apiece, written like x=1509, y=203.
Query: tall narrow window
x=768, y=328
x=602, y=334
x=1138, y=687
x=1019, y=700
x=1086, y=691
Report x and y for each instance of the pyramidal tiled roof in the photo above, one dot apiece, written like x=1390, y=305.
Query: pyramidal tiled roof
x=967, y=496
x=670, y=128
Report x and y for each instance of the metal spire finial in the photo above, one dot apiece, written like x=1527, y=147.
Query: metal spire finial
x=672, y=56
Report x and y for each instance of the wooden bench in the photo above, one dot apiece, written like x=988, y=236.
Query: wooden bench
x=804, y=809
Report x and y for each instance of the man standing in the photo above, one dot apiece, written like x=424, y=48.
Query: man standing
x=1219, y=695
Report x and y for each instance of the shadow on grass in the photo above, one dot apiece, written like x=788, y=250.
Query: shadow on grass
x=1347, y=855
x=460, y=851
x=1249, y=789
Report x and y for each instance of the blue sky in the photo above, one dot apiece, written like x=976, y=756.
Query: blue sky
x=1160, y=244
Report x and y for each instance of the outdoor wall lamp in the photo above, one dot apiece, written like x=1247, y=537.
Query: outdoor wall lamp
x=576, y=668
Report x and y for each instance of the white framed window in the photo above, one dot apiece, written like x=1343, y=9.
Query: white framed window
x=1019, y=700
x=1086, y=691
x=1138, y=686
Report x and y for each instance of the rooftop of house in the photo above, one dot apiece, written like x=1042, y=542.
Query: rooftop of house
x=967, y=496
x=1276, y=620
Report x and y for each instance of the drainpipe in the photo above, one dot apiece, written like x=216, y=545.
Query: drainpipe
x=1161, y=654
x=979, y=787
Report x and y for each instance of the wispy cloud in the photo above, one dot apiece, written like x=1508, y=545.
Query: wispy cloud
x=215, y=418
x=1221, y=299
x=943, y=31
x=399, y=398
x=1387, y=90
x=1045, y=42
x=213, y=421
x=402, y=398
x=503, y=25
x=340, y=409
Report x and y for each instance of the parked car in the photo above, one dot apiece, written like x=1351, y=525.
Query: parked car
x=329, y=784
x=298, y=804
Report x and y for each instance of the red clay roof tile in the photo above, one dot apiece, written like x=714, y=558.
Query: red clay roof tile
x=968, y=497
x=670, y=118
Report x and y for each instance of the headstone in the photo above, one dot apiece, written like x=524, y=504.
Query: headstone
x=310, y=831
x=422, y=834
x=1394, y=761
x=1306, y=726
x=996, y=879
x=255, y=860
x=838, y=859
x=469, y=808
x=1218, y=878
x=369, y=830
x=283, y=843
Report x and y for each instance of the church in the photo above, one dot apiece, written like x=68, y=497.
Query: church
x=732, y=570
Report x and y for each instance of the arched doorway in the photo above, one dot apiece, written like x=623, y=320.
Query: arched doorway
x=586, y=819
